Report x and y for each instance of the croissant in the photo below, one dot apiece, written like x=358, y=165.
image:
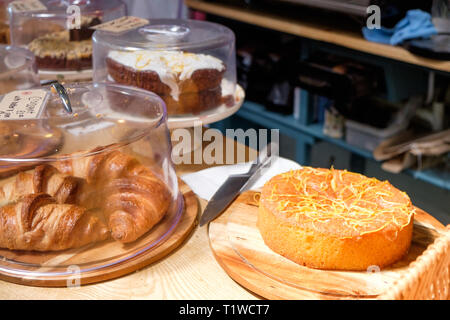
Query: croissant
x=101, y=166
x=134, y=205
x=37, y=222
x=118, y=188
x=131, y=196
x=43, y=179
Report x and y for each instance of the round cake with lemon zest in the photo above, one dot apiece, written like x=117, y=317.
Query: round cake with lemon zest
x=189, y=83
x=335, y=219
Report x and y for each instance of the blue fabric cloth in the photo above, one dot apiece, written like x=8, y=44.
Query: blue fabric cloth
x=416, y=24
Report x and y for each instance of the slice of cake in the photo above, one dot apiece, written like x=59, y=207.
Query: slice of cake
x=335, y=219
x=67, y=49
x=4, y=33
x=84, y=32
x=187, y=82
x=54, y=51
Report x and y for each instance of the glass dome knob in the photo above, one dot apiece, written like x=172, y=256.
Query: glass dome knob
x=164, y=33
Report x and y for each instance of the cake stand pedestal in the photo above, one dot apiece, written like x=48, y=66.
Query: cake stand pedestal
x=66, y=76
x=216, y=115
x=189, y=122
x=52, y=269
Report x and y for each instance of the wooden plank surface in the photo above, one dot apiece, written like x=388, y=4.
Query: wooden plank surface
x=320, y=32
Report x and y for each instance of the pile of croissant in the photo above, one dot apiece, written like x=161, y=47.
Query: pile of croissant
x=74, y=202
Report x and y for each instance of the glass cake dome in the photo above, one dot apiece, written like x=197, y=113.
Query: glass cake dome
x=102, y=174
x=59, y=33
x=17, y=69
x=190, y=64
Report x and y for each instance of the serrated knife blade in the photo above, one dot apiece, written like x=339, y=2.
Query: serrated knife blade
x=234, y=185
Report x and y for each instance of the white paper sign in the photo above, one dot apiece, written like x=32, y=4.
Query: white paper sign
x=121, y=24
x=27, y=5
x=22, y=104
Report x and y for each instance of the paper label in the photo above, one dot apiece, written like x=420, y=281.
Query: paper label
x=121, y=24
x=27, y=5
x=22, y=104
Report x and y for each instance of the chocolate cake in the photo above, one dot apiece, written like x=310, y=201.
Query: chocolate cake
x=4, y=33
x=85, y=32
x=187, y=82
x=67, y=49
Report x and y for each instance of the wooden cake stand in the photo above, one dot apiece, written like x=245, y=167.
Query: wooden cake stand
x=212, y=116
x=120, y=259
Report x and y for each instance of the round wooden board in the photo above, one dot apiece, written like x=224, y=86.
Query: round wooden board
x=181, y=232
x=240, y=250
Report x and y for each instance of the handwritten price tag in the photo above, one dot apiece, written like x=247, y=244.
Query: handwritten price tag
x=27, y=5
x=121, y=24
x=22, y=104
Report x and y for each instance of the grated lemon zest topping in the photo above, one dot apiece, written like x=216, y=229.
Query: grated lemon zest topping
x=359, y=202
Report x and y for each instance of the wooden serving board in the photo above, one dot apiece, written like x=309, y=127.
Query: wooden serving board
x=105, y=260
x=240, y=250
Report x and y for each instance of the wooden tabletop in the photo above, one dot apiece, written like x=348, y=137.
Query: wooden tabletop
x=190, y=272
x=309, y=27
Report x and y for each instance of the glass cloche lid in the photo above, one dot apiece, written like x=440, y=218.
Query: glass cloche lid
x=101, y=173
x=17, y=69
x=59, y=32
x=190, y=64
x=170, y=34
x=103, y=116
x=53, y=8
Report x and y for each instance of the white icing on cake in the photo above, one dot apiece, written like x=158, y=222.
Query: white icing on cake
x=171, y=66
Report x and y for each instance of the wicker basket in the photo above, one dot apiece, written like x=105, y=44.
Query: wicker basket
x=428, y=278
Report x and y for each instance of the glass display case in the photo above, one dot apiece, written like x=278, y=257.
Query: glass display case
x=60, y=35
x=95, y=186
x=190, y=64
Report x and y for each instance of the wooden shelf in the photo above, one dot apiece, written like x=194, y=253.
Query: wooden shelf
x=257, y=113
x=321, y=32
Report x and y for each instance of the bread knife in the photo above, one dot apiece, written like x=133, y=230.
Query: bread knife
x=235, y=184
